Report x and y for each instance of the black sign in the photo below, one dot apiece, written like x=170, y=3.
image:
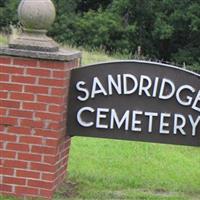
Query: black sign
x=139, y=101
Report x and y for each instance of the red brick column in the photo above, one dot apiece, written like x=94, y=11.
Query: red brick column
x=34, y=145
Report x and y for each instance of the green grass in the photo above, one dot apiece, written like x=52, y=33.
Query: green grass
x=94, y=57
x=111, y=169
x=3, y=39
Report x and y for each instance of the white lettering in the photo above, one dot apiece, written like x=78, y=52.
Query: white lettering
x=146, y=88
x=97, y=88
x=79, y=118
x=163, y=124
x=125, y=83
x=179, y=127
x=100, y=115
x=112, y=83
x=150, y=115
x=135, y=121
x=114, y=118
x=163, y=89
x=196, y=101
x=194, y=124
x=155, y=87
x=189, y=99
x=81, y=89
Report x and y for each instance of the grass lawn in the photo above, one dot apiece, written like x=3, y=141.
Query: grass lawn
x=111, y=169
x=3, y=39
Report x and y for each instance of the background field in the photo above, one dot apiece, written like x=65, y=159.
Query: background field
x=110, y=169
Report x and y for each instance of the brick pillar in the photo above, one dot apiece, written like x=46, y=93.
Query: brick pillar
x=34, y=145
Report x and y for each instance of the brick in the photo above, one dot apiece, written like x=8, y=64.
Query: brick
x=47, y=133
x=8, y=121
x=65, y=153
x=52, y=64
x=49, y=116
x=7, y=137
x=5, y=60
x=59, y=91
x=12, y=180
x=30, y=140
x=67, y=141
x=6, y=171
x=26, y=190
x=34, y=106
x=4, y=77
x=3, y=95
x=5, y=188
x=11, y=70
x=15, y=164
x=52, y=142
x=1, y=145
x=27, y=174
x=56, y=108
x=56, y=126
x=7, y=154
x=43, y=150
x=10, y=87
x=25, y=62
x=40, y=184
x=18, y=147
x=71, y=64
x=43, y=167
x=48, y=177
x=61, y=74
x=36, y=89
x=39, y=72
x=3, y=111
x=52, y=82
x=19, y=130
x=22, y=96
x=21, y=113
x=9, y=104
x=50, y=99
x=32, y=123
x=23, y=79
x=2, y=128
x=51, y=159
x=29, y=157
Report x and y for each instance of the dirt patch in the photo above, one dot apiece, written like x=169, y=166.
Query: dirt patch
x=161, y=191
x=68, y=189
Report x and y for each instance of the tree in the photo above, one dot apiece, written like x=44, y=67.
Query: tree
x=167, y=30
x=8, y=14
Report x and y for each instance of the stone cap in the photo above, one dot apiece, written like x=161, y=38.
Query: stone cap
x=61, y=55
x=36, y=16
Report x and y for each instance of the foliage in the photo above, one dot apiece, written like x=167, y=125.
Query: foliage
x=166, y=30
x=8, y=14
x=101, y=30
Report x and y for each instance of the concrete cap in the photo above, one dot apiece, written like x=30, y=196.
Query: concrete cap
x=36, y=16
x=61, y=55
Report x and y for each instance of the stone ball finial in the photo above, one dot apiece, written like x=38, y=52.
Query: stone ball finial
x=36, y=14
